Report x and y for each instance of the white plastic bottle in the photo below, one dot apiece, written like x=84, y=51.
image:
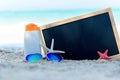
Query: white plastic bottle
x=32, y=39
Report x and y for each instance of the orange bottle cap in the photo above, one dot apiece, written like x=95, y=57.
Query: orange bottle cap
x=31, y=27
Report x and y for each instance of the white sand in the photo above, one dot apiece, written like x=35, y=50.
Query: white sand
x=13, y=67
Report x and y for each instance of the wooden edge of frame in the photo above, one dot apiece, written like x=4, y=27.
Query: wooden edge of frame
x=42, y=42
x=115, y=34
x=74, y=18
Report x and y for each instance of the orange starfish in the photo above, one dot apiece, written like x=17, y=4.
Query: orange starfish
x=104, y=55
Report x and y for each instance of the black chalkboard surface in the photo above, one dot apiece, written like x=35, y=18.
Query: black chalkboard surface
x=82, y=38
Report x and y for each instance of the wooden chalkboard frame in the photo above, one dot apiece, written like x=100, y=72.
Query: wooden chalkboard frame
x=109, y=10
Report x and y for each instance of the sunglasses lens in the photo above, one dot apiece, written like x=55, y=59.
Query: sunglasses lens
x=33, y=57
x=53, y=56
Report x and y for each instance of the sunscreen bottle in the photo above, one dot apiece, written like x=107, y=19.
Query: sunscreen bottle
x=32, y=39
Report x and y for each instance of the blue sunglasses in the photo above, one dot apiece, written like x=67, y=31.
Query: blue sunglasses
x=37, y=57
x=51, y=55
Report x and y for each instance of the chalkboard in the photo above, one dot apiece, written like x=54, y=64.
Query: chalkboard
x=82, y=36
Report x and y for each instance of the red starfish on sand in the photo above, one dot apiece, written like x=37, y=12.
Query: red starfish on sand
x=104, y=55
